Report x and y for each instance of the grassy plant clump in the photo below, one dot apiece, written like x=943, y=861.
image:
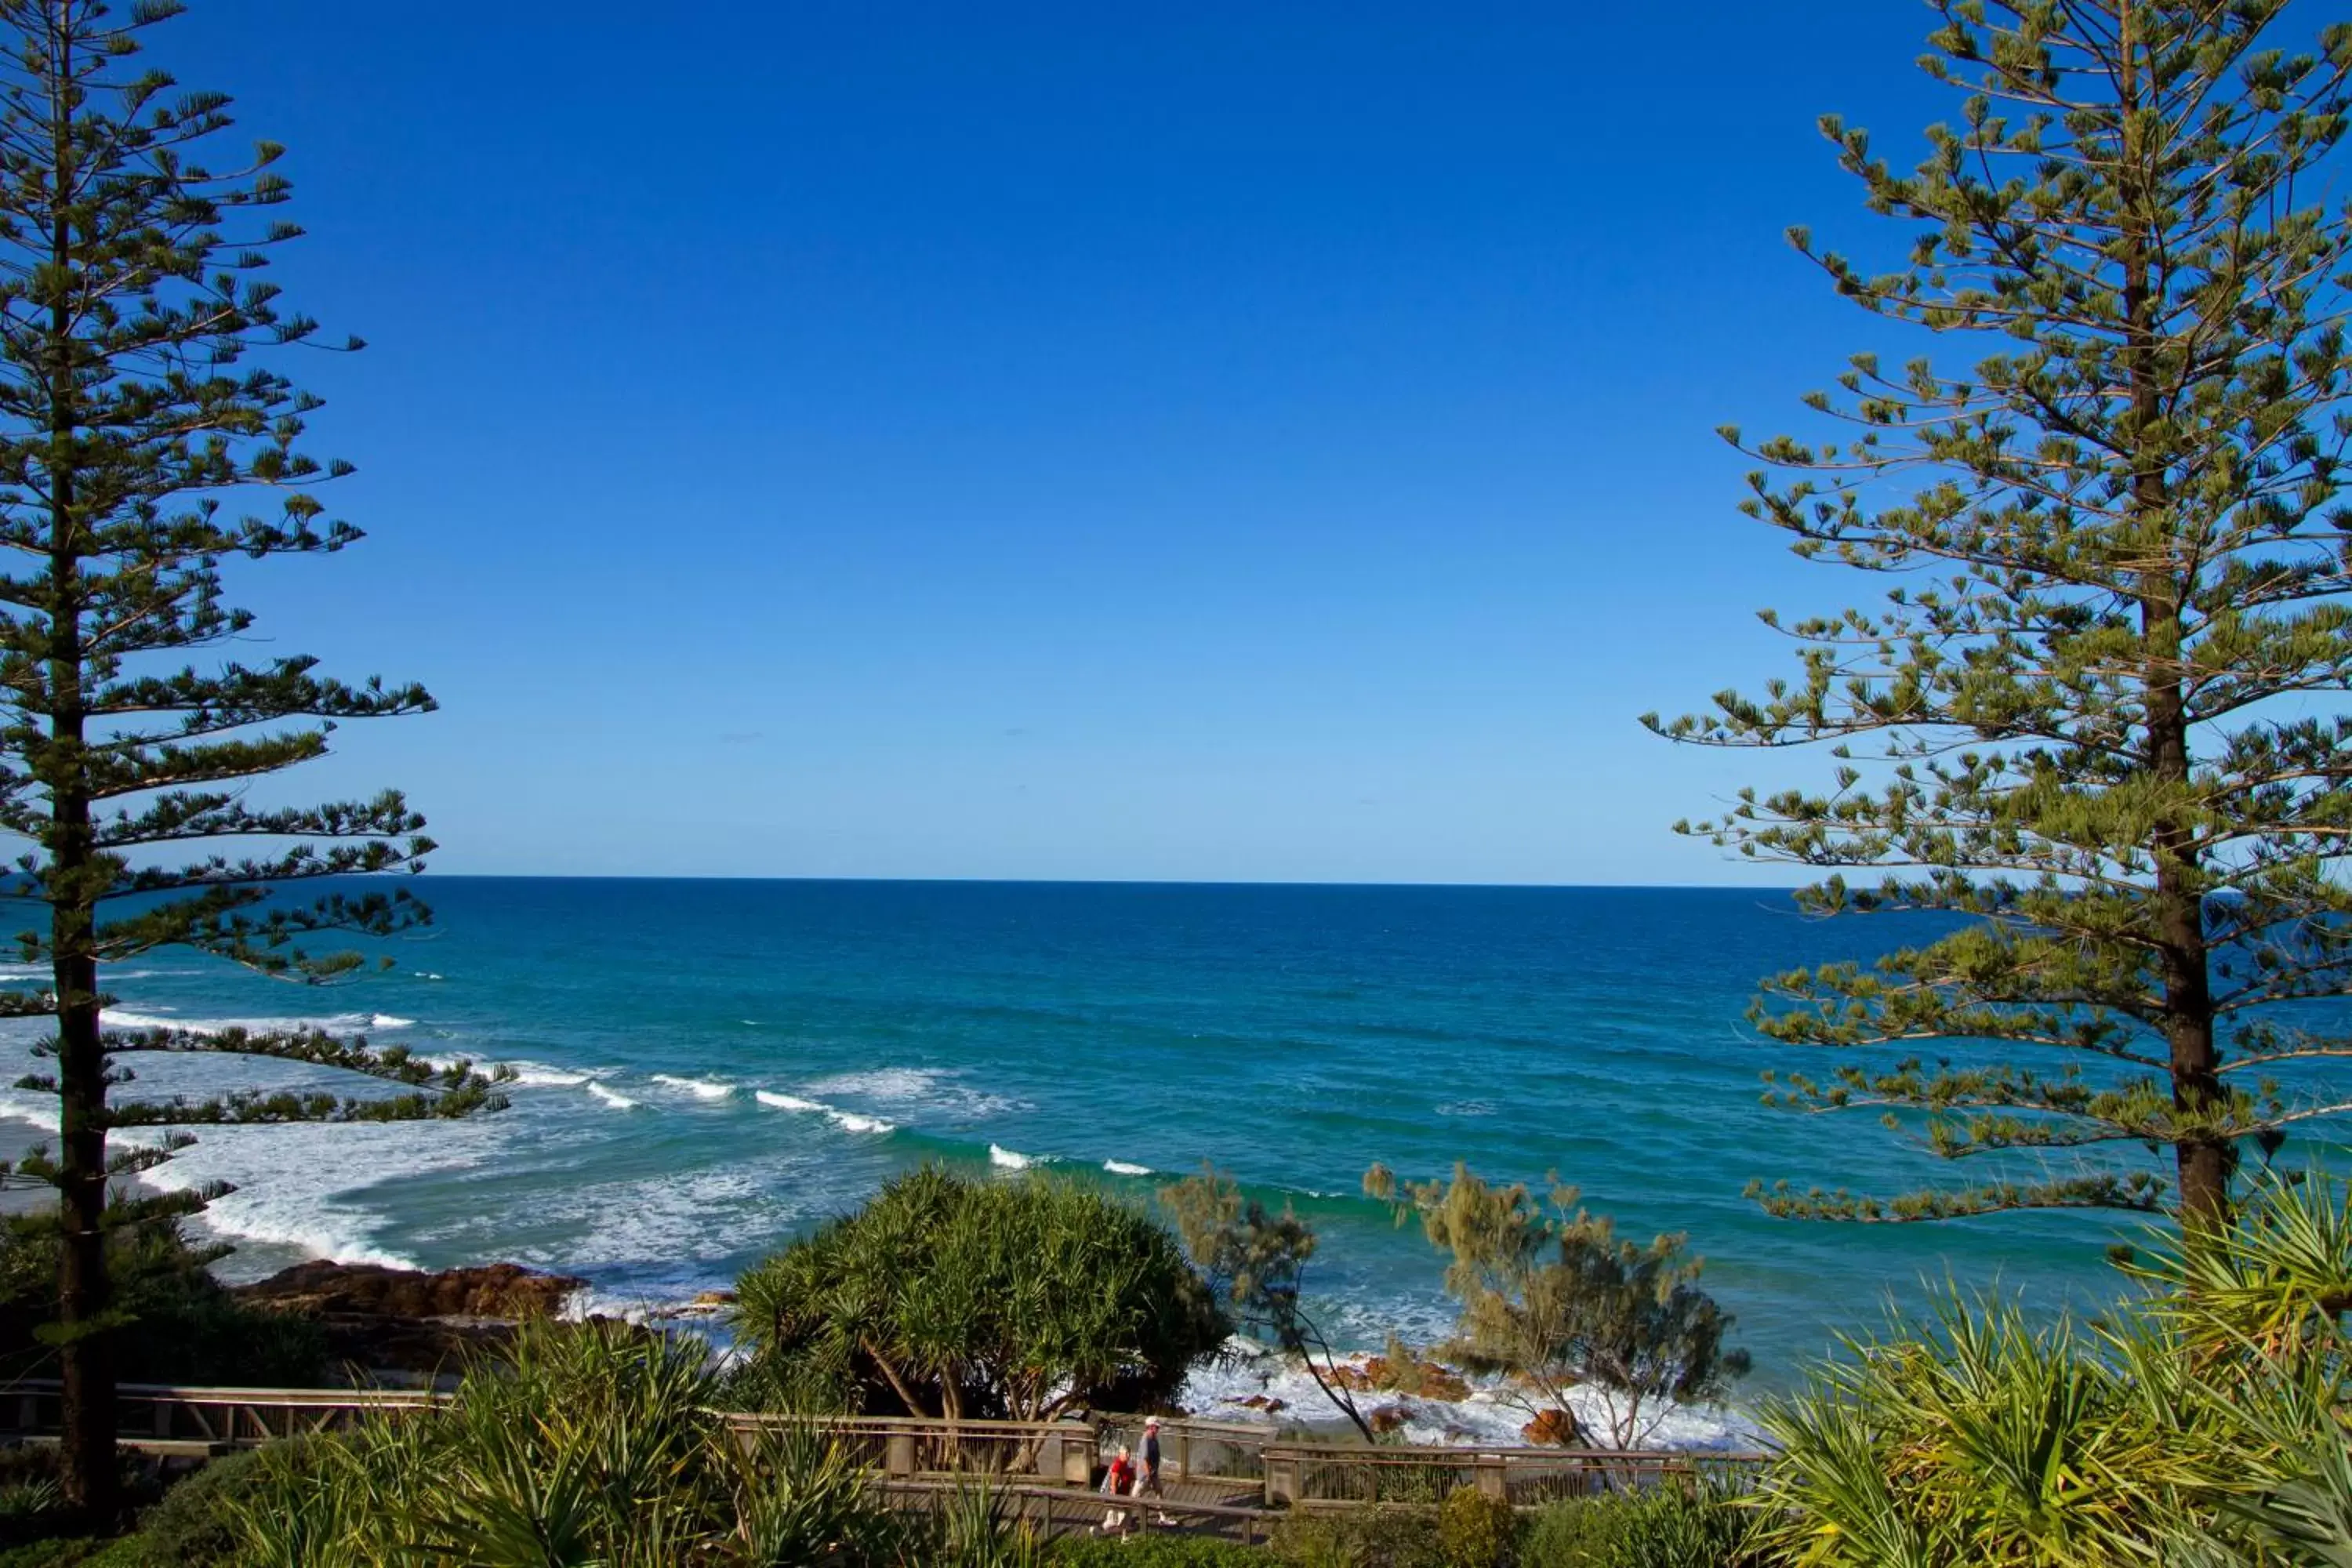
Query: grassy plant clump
x=195, y=1524
x=1475, y=1530
x=2203, y=1423
x=1376, y=1536
x=1707, y=1526
x=590, y=1445
x=1153, y=1551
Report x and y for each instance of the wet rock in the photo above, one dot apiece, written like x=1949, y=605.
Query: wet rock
x=408, y=1319
x=1553, y=1428
x=319, y=1290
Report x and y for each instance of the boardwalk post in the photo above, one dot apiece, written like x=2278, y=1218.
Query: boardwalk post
x=901, y=1460
x=1491, y=1476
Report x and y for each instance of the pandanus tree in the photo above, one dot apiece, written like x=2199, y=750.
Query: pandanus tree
x=2093, y=735
x=138, y=451
x=957, y=1298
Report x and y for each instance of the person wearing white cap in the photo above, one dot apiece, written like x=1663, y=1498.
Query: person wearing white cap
x=1147, y=1480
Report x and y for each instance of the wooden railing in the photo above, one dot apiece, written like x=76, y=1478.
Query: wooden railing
x=1328, y=1475
x=1220, y=1469
x=171, y=1418
x=1190, y=1446
x=1060, y=1453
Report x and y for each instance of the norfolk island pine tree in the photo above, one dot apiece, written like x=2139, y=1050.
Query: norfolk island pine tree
x=2091, y=718
x=133, y=438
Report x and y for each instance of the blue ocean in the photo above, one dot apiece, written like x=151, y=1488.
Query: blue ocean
x=707, y=1068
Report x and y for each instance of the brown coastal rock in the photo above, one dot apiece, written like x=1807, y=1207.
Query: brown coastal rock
x=408, y=1319
x=1553, y=1428
x=320, y=1289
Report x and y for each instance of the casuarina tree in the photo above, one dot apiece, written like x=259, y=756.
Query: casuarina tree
x=140, y=447
x=1552, y=1300
x=2091, y=737
x=1256, y=1260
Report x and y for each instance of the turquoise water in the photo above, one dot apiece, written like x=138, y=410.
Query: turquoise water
x=708, y=1068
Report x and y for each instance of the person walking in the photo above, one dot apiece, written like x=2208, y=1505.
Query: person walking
x=1148, y=1482
x=1118, y=1481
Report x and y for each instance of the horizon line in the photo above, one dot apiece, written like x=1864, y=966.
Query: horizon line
x=1093, y=881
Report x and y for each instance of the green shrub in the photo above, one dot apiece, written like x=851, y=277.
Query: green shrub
x=184, y=1325
x=76, y=1552
x=1664, y=1527
x=1475, y=1530
x=1153, y=1551
x=946, y=1295
x=195, y=1522
x=1380, y=1536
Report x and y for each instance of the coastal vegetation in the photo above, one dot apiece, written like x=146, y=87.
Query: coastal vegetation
x=139, y=449
x=190, y=1328
x=1552, y=1300
x=1255, y=1260
x=2076, y=752
x=2197, y=1422
x=956, y=1297
x=2089, y=737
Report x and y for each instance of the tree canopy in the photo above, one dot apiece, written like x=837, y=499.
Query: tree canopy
x=986, y=1299
x=1256, y=1259
x=2093, y=717
x=1553, y=1301
x=138, y=451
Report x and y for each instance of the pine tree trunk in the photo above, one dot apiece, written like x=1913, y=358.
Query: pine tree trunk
x=88, y=1461
x=2202, y=1164
x=86, y=1467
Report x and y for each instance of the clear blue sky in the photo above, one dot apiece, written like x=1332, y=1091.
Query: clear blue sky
x=1217, y=441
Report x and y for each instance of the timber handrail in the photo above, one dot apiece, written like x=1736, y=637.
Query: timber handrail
x=1060, y=1454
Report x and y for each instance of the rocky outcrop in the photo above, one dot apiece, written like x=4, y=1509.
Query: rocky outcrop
x=1402, y=1375
x=407, y=1320
x=321, y=1289
x=1553, y=1428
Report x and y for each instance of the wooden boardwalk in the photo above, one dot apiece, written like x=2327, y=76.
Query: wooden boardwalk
x=1219, y=1477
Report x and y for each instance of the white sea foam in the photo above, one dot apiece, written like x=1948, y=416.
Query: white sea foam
x=20, y=1105
x=1122, y=1168
x=294, y=1182
x=1008, y=1158
x=527, y=1073
x=167, y=1018
x=612, y=1098
x=537, y=1075
x=1489, y=1416
x=847, y=1121
x=885, y=1083
x=700, y=1087
x=928, y=1088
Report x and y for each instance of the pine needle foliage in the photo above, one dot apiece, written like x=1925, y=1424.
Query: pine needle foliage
x=1256, y=1260
x=1553, y=1300
x=2093, y=716
x=138, y=451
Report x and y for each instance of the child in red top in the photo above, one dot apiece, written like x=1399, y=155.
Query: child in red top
x=1118, y=1482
